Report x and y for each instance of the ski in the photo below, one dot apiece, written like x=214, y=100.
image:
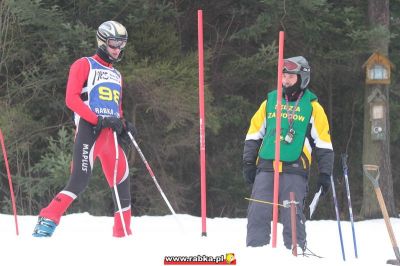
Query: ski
x=393, y=262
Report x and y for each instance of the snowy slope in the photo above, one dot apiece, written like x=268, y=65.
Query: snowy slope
x=82, y=239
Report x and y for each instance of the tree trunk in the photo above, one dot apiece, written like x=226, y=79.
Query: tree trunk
x=377, y=152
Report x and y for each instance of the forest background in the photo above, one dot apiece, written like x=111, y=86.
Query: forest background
x=40, y=39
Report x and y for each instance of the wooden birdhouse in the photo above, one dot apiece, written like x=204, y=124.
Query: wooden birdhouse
x=377, y=69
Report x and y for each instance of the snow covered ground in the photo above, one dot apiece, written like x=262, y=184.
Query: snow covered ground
x=82, y=239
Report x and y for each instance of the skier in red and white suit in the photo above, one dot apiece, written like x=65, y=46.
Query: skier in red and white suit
x=94, y=93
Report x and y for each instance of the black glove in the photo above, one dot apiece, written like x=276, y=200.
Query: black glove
x=114, y=123
x=97, y=128
x=249, y=172
x=129, y=127
x=108, y=122
x=324, y=182
x=124, y=137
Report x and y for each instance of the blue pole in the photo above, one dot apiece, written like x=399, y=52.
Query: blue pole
x=345, y=169
x=337, y=216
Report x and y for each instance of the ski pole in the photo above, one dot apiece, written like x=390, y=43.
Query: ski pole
x=115, y=184
x=374, y=168
x=337, y=217
x=346, y=178
x=151, y=173
x=9, y=182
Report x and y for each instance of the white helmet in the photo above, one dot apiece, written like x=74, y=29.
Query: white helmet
x=113, y=34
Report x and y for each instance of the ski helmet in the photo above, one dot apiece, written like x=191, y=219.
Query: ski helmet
x=298, y=65
x=112, y=34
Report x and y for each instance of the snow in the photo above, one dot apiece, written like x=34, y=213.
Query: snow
x=83, y=239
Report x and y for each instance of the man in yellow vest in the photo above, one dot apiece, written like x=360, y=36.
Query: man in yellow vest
x=304, y=129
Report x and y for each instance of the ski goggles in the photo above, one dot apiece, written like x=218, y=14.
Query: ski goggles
x=293, y=67
x=116, y=43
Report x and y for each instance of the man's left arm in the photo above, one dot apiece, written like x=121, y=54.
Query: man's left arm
x=323, y=145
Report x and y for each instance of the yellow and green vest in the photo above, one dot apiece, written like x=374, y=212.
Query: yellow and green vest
x=289, y=152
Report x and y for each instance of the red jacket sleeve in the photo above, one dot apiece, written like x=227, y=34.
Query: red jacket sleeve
x=78, y=75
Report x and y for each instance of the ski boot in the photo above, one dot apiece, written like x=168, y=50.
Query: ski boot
x=44, y=228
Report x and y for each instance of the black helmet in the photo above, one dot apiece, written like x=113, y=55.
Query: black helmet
x=298, y=65
x=113, y=34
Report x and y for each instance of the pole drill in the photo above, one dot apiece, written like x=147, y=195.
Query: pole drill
x=202, y=124
x=9, y=182
x=346, y=178
x=277, y=162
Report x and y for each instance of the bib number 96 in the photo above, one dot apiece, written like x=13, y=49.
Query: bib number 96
x=107, y=94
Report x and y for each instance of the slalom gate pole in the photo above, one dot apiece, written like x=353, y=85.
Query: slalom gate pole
x=202, y=124
x=115, y=184
x=346, y=178
x=374, y=168
x=151, y=172
x=3, y=146
x=293, y=221
x=337, y=217
x=277, y=162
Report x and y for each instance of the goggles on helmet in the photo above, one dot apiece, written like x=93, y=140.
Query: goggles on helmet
x=116, y=43
x=293, y=67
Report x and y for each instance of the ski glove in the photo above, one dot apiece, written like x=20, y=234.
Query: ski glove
x=129, y=127
x=324, y=182
x=108, y=122
x=124, y=137
x=249, y=172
